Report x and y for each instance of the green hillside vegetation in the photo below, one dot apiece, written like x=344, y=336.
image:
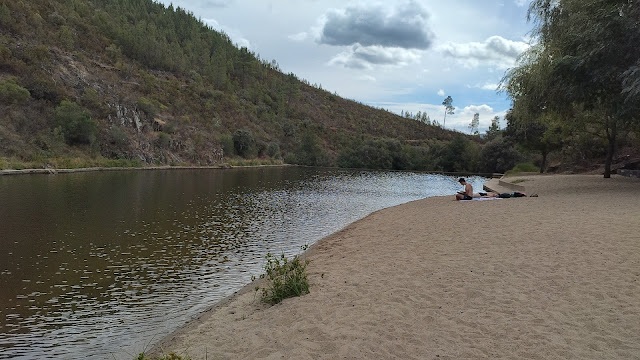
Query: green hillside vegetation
x=133, y=83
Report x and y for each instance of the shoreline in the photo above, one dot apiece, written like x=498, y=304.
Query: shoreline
x=52, y=171
x=353, y=273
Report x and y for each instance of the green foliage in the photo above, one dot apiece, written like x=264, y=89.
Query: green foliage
x=584, y=69
x=5, y=15
x=163, y=140
x=6, y=58
x=42, y=87
x=76, y=123
x=243, y=142
x=449, y=109
x=118, y=136
x=273, y=151
x=227, y=145
x=499, y=155
x=66, y=37
x=286, y=278
x=254, y=162
x=310, y=152
x=90, y=97
x=494, y=129
x=145, y=54
x=454, y=156
x=12, y=93
x=151, y=107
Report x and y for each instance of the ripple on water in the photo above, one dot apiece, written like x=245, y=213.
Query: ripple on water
x=116, y=261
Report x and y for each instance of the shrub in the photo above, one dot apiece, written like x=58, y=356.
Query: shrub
x=286, y=278
x=66, y=38
x=90, y=97
x=310, y=152
x=11, y=92
x=273, y=151
x=243, y=142
x=170, y=356
x=499, y=156
x=76, y=123
x=164, y=140
x=226, y=143
x=151, y=107
x=118, y=136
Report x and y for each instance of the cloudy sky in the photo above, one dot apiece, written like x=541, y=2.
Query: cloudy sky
x=395, y=54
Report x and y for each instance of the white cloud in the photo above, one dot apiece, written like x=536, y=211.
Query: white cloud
x=386, y=40
x=458, y=121
x=441, y=92
x=299, y=36
x=521, y=3
x=496, y=51
x=367, y=78
x=472, y=109
x=235, y=36
x=365, y=57
x=217, y=3
x=404, y=25
x=485, y=86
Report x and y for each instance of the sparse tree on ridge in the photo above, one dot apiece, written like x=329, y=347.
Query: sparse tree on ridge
x=475, y=122
x=494, y=129
x=448, y=109
x=425, y=118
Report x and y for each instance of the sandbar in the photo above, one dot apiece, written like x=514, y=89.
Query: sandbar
x=550, y=277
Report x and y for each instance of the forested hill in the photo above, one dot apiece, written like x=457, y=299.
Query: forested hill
x=115, y=82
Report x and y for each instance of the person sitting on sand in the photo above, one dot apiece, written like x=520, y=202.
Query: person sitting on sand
x=467, y=194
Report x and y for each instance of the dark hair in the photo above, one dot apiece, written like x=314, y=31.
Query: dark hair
x=461, y=180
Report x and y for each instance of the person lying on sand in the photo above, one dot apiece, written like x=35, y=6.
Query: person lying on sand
x=486, y=195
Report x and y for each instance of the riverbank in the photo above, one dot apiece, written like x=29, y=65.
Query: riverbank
x=555, y=276
x=94, y=169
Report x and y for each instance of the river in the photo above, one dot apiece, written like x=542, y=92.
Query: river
x=104, y=264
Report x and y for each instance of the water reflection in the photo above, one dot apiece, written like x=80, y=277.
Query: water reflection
x=102, y=264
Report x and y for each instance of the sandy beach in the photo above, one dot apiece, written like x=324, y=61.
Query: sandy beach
x=549, y=277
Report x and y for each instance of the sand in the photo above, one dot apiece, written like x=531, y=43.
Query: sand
x=549, y=277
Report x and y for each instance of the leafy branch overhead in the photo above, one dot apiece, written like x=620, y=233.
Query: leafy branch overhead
x=581, y=76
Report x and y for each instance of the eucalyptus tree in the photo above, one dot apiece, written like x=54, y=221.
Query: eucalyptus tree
x=475, y=123
x=448, y=109
x=494, y=129
x=585, y=69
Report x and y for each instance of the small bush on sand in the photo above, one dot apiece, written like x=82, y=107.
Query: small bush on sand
x=286, y=278
x=170, y=356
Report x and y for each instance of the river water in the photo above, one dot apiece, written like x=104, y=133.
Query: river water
x=104, y=264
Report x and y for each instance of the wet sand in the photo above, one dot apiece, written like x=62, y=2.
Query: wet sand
x=549, y=277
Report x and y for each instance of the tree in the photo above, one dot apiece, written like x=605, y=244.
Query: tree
x=76, y=123
x=448, y=109
x=544, y=135
x=585, y=70
x=499, y=156
x=494, y=129
x=243, y=142
x=425, y=118
x=475, y=122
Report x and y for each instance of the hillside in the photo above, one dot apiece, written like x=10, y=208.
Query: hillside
x=120, y=83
